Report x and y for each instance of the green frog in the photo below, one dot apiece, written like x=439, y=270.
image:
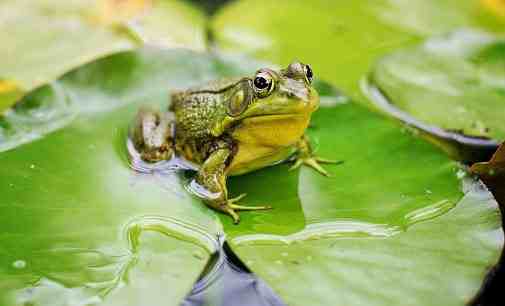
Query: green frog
x=234, y=126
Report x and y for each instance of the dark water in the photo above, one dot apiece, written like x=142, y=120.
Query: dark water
x=230, y=284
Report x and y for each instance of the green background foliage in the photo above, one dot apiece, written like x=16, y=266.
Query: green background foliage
x=397, y=223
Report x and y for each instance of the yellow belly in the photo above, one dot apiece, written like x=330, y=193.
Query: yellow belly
x=266, y=140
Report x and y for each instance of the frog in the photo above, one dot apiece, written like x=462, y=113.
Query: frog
x=234, y=126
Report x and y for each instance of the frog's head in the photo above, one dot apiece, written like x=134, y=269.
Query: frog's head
x=273, y=94
x=285, y=92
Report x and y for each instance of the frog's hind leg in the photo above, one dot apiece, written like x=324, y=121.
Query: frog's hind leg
x=152, y=134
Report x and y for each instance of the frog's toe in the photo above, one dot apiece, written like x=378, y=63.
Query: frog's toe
x=314, y=163
x=328, y=161
x=236, y=199
x=231, y=203
x=230, y=208
x=243, y=207
x=296, y=165
x=233, y=215
x=164, y=152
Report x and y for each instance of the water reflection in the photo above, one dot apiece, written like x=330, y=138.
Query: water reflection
x=427, y=213
x=172, y=227
x=230, y=284
x=323, y=230
x=163, y=166
x=349, y=228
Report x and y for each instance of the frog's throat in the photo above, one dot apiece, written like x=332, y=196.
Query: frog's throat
x=219, y=128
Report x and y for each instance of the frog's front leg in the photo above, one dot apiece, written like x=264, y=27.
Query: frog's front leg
x=305, y=155
x=212, y=177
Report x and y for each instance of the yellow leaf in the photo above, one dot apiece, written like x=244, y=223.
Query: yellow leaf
x=111, y=12
x=495, y=6
x=7, y=86
x=10, y=92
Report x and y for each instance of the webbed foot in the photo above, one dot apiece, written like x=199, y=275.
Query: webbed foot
x=152, y=135
x=315, y=163
x=230, y=207
x=305, y=156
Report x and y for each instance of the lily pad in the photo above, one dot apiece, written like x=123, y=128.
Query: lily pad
x=79, y=225
x=391, y=226
x=340, y=39
x=43, y=39
x=452, y=86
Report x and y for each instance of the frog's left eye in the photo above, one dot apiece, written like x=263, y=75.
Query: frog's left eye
x=308, y=73
x=263, y=83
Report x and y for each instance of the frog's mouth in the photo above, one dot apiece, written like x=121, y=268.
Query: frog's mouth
x=282, y=109
x=274, y=117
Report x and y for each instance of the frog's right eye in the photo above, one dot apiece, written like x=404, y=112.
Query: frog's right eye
x=263, y=84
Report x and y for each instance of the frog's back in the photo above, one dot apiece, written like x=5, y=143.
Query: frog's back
x=197, y=109
x=181, y=98
x=215, y=85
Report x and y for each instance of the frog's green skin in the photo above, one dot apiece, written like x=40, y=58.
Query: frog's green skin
x=230, y=127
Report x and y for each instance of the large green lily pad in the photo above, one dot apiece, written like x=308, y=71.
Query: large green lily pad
x=388, y=228
x=455, y=82
x=43, y=39
x=357, y=263
x=79, y=225
x=340, y=39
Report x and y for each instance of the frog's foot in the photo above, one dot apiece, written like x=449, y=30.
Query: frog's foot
x=230, y=207
x=314, y=162
x=163, y=152
x=152, y=135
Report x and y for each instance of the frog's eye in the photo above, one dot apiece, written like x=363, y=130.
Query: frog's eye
x=308, y=73
x=263, y=84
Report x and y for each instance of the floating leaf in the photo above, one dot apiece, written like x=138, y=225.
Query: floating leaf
x=340, y=39
x=495, y=6
x=9, y=93
x=43, y=39
x=451, y=86
x=389, y=227
x=79, y=225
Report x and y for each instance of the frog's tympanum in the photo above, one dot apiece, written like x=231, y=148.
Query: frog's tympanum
x=231, y=127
